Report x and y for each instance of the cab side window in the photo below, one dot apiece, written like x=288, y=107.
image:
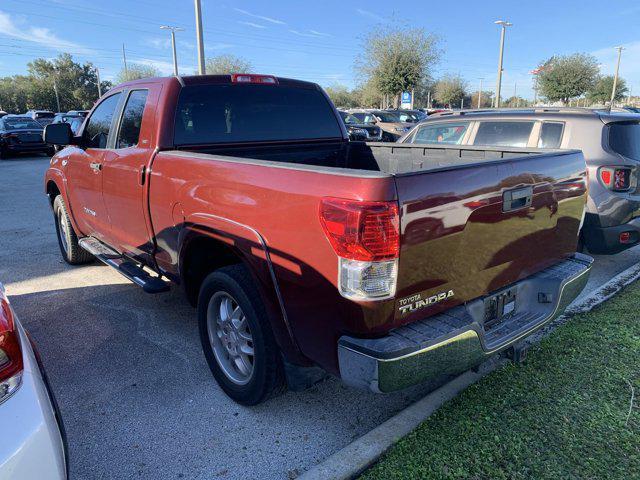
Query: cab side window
x=446, y=133
x=129, y=132
x=551, y=135
x=507, y=134
x=97, y=130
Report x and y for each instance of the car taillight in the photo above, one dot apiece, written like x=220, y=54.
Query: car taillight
x=11, y=365
x=366, y=238
x=251, y=78
x=616, y=179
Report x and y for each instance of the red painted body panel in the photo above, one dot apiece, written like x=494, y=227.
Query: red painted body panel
x=454, y=234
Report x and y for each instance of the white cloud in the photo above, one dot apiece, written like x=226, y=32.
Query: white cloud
x=251, y=24
x=309, y=33
x=320, y=34
x=370, y=15
x=18, y=28
x=165, y=68
x=260, y=17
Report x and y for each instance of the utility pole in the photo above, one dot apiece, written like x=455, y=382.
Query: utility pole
x=173, y=45
x=429, y=99
x=515, y=93
x=503, y=24
x=615, y=78
x=124, y=60
x=55, y=89
x=201, y=65
x=480, y=94
x=462, y=103
x=98, y=77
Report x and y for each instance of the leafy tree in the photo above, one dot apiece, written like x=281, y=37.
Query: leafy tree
x=369, y=96
x=486, y=100
x=449, y=90
x=397, y=59
x=601, y=91
x=136, y=71
x=76, y=84
x=565, y=77
x=516, y=102
x=225, y=64
x=342, y=97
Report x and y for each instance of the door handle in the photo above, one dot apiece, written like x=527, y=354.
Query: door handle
x=517, y=199
x=95, y=166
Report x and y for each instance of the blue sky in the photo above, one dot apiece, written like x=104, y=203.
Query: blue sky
x=318, y=41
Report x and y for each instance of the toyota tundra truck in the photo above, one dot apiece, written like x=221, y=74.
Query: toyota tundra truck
x=385, y=265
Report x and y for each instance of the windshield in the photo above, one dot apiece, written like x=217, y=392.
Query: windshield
x=20, y=123
x=350, y=119
x=363, y=117
x=388, y=117
x=624, y=138
x=209, y=114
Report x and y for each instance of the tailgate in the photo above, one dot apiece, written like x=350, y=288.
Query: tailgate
x=474, y=229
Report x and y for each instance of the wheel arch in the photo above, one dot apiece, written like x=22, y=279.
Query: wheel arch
x=208, y=242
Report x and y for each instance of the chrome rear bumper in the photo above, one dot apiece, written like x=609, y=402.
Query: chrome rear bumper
x=455, y=341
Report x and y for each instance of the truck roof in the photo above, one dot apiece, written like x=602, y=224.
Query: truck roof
x=185, y=80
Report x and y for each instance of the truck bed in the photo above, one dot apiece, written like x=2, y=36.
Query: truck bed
x=454, y=233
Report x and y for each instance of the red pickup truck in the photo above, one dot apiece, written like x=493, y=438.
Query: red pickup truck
x=383, y=264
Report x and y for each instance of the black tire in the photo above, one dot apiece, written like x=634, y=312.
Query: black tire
x=267, y=376
x=72, y=253
x=3, y=152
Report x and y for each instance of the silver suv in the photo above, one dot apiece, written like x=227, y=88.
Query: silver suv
x=610, y=142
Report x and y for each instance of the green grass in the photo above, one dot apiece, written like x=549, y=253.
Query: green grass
x=560, y=415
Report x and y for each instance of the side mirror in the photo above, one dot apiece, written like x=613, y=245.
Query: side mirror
x=58, y=134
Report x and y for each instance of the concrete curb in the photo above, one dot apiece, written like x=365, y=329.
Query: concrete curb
x=364, y=451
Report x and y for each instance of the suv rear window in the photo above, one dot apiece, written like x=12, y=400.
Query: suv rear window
x=551, y=135
x=507, y=134
x=209, y=114
x=624, y=138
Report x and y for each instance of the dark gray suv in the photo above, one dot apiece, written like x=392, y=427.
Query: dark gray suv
x=610, y=142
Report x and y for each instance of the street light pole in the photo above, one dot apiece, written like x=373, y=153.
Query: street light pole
x=98, y=78
x=173, y=45
x=504, y=24
x=615, y=78
x=124, y=60
x=201, y=65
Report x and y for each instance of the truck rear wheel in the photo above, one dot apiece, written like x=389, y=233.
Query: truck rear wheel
x=236, y=337
x=72, y=253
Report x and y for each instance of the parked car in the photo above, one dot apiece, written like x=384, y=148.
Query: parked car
x=21, y=134
x=44, y=117
x=413, y=116
x=394, y=124
x=73, y=119
x=383, y=266
x=357, y=130
x=611, y=146
x=79, y=113
x=33, y=442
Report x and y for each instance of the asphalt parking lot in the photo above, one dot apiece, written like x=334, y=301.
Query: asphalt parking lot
x=136, y=395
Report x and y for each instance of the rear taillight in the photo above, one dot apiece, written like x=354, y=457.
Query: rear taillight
x=616, y=179
x=251, y=78
x=366, y=238
x=11, y=365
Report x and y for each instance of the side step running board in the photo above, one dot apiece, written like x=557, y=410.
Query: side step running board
x=124, y=266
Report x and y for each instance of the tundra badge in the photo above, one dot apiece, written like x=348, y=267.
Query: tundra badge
x=416, y=302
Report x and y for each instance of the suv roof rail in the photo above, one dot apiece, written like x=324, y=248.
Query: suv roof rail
x=582, y=110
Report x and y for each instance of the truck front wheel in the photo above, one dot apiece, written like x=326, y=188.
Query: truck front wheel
x=72, y=253
x=236, y=337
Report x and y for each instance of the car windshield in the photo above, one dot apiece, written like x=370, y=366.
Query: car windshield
x=624, y=138
x=389, y=117
x=363, y=117
x=20, y=123
x=350, y=119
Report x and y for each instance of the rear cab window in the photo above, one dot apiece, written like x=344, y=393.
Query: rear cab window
x=503, y=133
x=443, y=133
x=624, y=139
x=214, y=114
